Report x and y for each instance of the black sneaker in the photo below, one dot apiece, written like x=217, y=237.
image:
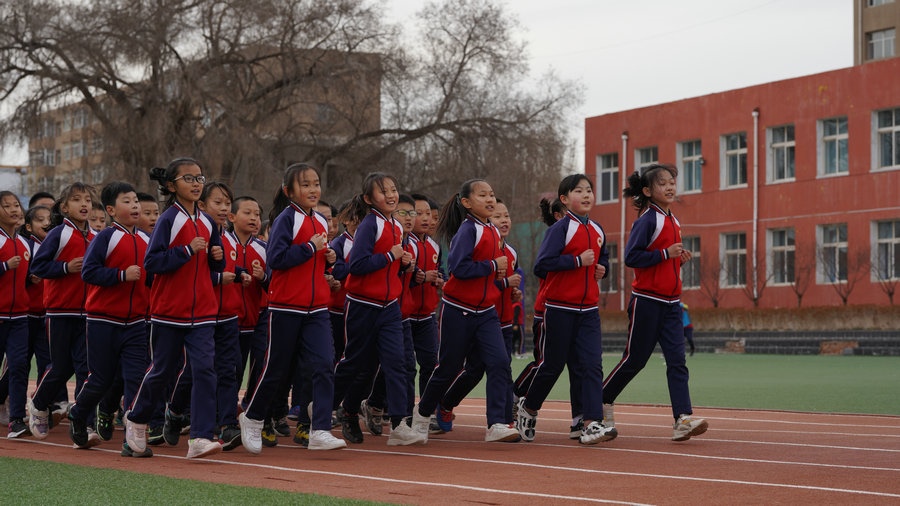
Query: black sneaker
x=575, y=430
x=105, y=425
x=172, y=428
x=350, y=426
x=302, y=435
x=281, y=427
x=18, y=428
x=269, y=438
x=155, y=435
x=230, y=438
x=128, y=452
x=78, y=432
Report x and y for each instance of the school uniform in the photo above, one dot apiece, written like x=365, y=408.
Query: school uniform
x=183, y=312
x=654, y=311
x=14, y=306
x=420, y=308
x=116, y=316
x=254, y=302
x=38, y=346
x=469, y=319
x=571, y=317
x=342, y=245
x=64, y=298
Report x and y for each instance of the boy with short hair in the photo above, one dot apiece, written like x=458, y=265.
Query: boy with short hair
x=149, y=212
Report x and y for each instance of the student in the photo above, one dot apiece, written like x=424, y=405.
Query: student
x=14, y=263
x=688, y=327
x=468, y=313
x=656, y=253
x=372, y=316
x=572, y=258
x=183, y=251
x=298, y=309
x=149, y=212
x=116, y=308
x=59, y=262
x=45, y=199
x=98, y=217
x=473, y=371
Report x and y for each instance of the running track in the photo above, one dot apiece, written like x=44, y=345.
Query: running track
x=746, y=457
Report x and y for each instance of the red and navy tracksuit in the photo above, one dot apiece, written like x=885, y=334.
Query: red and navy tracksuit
x=253, y=318
x=571, y=317
x=64, y=298
x=116, y=316
x=298, y=315
x=372, y=319
x=14, y=306
x=38, y=346
x=654, y=311
x=341, y=245
x=183, y=311
x=469, y=319
x=474, y=369
x=419, y=306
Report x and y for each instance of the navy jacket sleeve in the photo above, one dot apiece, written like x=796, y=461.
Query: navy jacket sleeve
x=550, y=257
x=340, y=269
x=281, y=253
x=460, y=261
x=364, y=259
x=636, y=252
x=160, y=258
x=604, y=254
x=94, y=269
x=44, y=264
x=215, y=240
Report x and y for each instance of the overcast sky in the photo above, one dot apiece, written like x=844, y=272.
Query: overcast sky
x=635, y=53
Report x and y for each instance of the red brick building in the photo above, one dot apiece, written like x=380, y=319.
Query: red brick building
x=788, y=188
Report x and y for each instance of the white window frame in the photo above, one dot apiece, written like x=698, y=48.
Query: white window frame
x=886, y=129
x=835, y=142
x=886, y=250
x=610, y=284
x=727, y=154
x=838, y=258
x=876, y=3
x=692, y=244
x=607, y=186
x=782, y=250
x=644, y=157
x=690, y=160
x=781, y=166
x=736, y=255
x=880, y=44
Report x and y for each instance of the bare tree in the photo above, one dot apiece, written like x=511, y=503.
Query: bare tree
x=804, y=269
x=843, y=270
x=883, y=269
x=711, y=272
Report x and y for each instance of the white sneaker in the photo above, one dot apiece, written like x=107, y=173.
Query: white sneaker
x=404, y=435
x=501, y=432
x=421, y=424
x=251, y=433
x=596, y=432
x=135, y=434
x=525, y=421
x=686, y=428
x=38, y=421
x=609, y=416
x=323, y=440
x=202, y=447
x=93, y=438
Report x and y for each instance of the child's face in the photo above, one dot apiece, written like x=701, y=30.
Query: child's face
x=149, y=215
x=434, y=222
x=580, y=200
x=98, y=219
x=404, y=215
x=11, y=213
x=44, y=201
x=423, y=218
x=305, y=190
x=501, y=219
x=127, y=210
x=384, y=197
x=40, y=224
x=217, y=205
x=332, y=223
x=480, y=201
x=662, y=191
x=77, y=208
x=247, y=218
x=187, y=192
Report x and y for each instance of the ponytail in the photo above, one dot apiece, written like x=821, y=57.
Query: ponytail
x=550, y=209
x=453, y=214
x=164, y=175
x=638, y=180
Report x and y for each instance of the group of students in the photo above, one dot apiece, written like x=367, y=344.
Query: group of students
x=164, y=314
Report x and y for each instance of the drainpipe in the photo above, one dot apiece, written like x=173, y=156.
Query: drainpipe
x=624, y=180
x=756, y=180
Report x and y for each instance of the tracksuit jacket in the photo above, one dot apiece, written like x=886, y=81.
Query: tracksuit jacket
x=64, y=292
x=110, y=298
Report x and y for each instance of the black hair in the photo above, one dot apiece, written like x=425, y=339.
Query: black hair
x=111, y=192
x=353, y=211
x=372, y=180
x=236, y=203
x=570, y=182
x=292, y=173
x=407, y=199
x=30, y=215
x=264, y=227
x=38, y=196
x=422, y=196
x=334, y=210
x=167, y=174
x=454, y=213
x=7, y=193
x=645, y=178
x=209, y=187
x=56, y=216
x=145, y=197
x=550, y=209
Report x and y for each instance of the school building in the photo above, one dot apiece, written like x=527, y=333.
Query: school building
x=788, y=191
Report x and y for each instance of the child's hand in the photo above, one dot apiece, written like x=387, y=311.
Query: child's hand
x=432, y=276
x=514, y=280
x=246, y=279
x=133, y=273
x=599, y=272
x=258, y=272
x=13, y=263
x=397, y=251
x=198, y=244
x=516, y=295
x=587, y=257
x=217, y=253
x=405, y=259
x=439, y=282
x=35, y=280
x=333, y=284
x=228, y=278
x=686, y=255
x=74, y=265
x=675, y=250
x=319, y=240
x=330, y=255
x=420, y=277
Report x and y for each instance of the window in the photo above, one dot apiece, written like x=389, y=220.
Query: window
x=833, y=146
x=781, y=243
x=97, y=145
x=646, y=156
x=690, y=272
x=77, y=149
x=781, y=153
x=887, y=144
x=887, y=250
x=880, y=44
x=607, y=178
x=735, y=166
x=875, y=3
x=611, y=282
x=691, y=161
x=832, y=253
x=735, y=246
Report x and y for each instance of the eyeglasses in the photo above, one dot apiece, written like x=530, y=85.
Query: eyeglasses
x=403, y=213
x=190, y=179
